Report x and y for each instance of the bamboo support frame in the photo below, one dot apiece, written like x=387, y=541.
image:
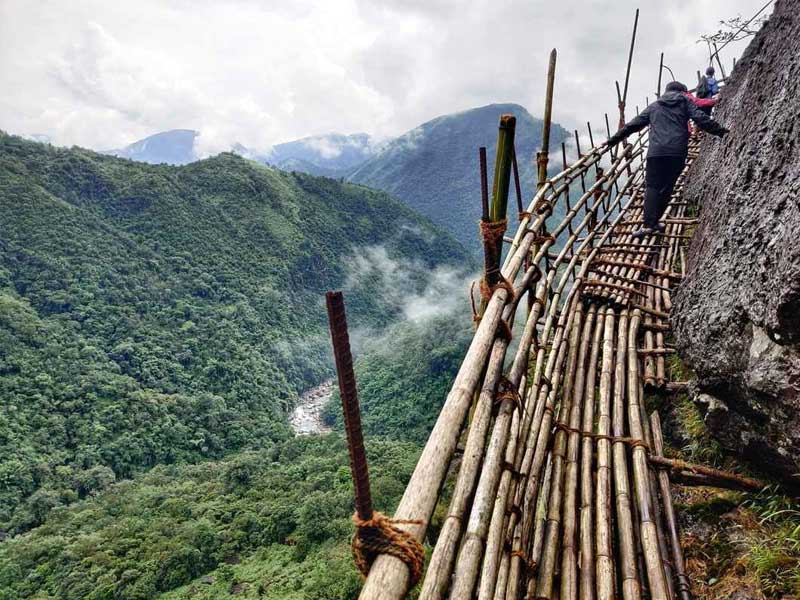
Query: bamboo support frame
x=572, y=512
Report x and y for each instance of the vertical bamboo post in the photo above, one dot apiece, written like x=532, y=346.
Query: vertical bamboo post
x=484, y=184
x=719, y=62
x=502, y=169
x=542, y=156
x=621, y=106
x=352, y=415
x=669, y=513
x=660, y=70
x=517, y=187
x=630, y=59
x=492, y=229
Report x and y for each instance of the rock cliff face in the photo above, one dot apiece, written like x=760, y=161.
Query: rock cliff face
x=737, y=313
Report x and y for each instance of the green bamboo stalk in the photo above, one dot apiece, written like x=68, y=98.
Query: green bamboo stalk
x=542, y=156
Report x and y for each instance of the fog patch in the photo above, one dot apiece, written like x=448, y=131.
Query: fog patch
x=411, y=288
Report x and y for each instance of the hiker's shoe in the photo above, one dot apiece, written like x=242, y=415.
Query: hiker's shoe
x=661, y=227
x=642, y=232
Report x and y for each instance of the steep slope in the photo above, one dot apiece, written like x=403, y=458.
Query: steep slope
x=434, y=167
x=156, y=314
x=737, y=314
x=174, y=147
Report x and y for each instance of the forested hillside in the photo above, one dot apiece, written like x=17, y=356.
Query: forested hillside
x=152, y=314
x=434, y=167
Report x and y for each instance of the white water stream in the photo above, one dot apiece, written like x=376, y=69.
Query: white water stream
x=306, y=418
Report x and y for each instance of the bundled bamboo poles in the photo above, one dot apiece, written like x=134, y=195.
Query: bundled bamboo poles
x=562, y=490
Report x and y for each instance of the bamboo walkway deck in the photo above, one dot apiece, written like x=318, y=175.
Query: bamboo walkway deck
x=557, y=494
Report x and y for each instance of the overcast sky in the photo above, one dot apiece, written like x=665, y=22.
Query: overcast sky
x=102, y=73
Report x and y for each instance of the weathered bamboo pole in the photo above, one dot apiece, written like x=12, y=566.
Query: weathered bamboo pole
x=569, y=549
x=680, y=468
x=491, y=473
x=631, y=589
x=477, y=528
x=540, y=524
x=719, y=62
x=389, y=576
x=660, y=70
x=684, y=587
x=653, y=482
x=437, y=578
x=603, y=537
x=651, y=550
x=494, y=543
x=544, y=584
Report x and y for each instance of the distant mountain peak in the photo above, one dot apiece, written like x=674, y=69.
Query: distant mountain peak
x=175, y=147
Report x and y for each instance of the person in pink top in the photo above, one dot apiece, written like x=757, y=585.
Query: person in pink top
x=703, y=104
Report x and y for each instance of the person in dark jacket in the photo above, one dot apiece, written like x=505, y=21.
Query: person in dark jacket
x=668, y=118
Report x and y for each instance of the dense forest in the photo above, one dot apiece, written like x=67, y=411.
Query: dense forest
x=274, y=523
x=155, y=315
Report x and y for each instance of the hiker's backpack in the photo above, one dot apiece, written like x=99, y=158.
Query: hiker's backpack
x=703, y=89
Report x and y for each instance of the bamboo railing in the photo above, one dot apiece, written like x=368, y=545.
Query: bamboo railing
x=561, y=491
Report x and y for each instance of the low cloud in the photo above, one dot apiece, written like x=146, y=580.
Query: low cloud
x=103, y=74
x=410, y=287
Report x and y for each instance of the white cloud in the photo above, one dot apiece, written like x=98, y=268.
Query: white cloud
x=102, y=74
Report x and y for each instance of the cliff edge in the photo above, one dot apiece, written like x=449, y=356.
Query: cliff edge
x=736, y=315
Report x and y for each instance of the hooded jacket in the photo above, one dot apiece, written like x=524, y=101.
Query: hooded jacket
x=668, y=118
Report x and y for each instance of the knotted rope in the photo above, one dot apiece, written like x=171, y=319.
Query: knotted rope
x=492, y=233
x=379, y=535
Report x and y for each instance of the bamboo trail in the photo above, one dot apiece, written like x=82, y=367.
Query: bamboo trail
x=562, y=491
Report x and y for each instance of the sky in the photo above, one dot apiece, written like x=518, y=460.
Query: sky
x=103, y=74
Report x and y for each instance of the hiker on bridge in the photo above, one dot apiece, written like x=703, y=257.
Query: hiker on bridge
x=708, y=87
x=668, y=118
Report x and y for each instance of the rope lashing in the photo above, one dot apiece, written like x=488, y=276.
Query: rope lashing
x=492, y=233
x=507, y=391
x=530, y=565
x=544, y=206
x=628, y=441
x=379, y=535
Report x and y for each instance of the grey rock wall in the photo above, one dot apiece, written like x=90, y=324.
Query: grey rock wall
x=737, y=313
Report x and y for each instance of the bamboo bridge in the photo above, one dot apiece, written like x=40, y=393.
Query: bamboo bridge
x=557, y=486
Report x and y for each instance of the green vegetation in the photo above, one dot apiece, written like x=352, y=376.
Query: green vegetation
x=152, y=314
x=405, y=374
x=272, y=522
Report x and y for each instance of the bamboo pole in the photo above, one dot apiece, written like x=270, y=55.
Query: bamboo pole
x=569, y=552
x=542, y=156
x=477, y=529
x=630, y=578
x=544, y=584
x=682, y=468
x=437, y=578
x=603, y=538
x=652, y=553
x=660, y=71
x=684, y=587
x=494, y=543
